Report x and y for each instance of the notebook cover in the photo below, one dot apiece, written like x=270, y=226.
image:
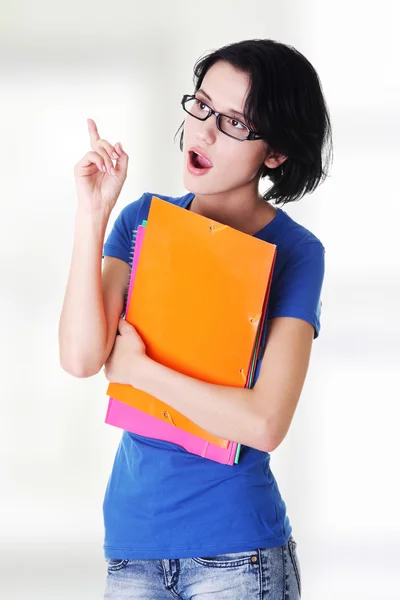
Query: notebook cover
x=136, y=421
x=210, y=277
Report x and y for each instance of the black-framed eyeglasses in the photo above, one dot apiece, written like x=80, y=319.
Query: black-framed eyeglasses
x=225, y=123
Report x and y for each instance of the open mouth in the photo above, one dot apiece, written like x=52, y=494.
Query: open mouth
x=198, y=161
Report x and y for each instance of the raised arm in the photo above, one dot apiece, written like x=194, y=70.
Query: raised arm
x=94, y=297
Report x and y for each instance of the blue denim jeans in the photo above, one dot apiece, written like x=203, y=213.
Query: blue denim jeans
x=272, y=573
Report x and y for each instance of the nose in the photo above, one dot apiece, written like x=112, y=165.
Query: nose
x=207, y=130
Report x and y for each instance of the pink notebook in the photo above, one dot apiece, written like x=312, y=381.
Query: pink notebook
x=135, y=421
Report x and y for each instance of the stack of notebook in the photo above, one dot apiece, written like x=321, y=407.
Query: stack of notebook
x=197, y=296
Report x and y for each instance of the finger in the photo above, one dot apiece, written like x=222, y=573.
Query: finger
x=104, y=154
x=91, y=158
x=110, y=149
x=93, y=133
x=124, y=327
x=121, y=165
x=117, y=153
x=120, y=150
x=122, y=323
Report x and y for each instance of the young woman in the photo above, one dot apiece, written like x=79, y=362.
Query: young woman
x=178, y=525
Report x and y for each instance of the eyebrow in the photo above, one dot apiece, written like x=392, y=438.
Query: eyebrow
x=231, y=110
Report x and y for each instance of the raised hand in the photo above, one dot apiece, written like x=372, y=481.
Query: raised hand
x=98, y=182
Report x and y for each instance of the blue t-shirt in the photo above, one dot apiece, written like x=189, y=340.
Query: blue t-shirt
x=162, y=501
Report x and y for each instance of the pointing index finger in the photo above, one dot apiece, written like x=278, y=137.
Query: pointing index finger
x=93, y=133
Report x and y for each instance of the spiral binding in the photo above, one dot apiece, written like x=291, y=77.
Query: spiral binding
x=131, y=253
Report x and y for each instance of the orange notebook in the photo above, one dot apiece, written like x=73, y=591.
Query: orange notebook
x=197, y=302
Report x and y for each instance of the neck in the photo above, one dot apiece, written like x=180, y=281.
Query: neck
x=242, y=209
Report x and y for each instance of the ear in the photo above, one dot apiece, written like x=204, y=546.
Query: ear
x=274, y=160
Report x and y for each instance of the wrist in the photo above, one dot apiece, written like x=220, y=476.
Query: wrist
x=96, y=221
x=142, y=371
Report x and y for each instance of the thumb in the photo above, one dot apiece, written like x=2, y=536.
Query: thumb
x=124, y=327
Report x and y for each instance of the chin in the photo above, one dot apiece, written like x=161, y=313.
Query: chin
x=195, y=185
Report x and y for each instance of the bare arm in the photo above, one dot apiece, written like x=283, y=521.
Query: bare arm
x=258, y=417
x=93, y=300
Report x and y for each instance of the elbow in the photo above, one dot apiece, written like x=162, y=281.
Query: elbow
x=268, y=438
x=80, y=368
x=271, y=445
x=79, y=371
x=267, y=444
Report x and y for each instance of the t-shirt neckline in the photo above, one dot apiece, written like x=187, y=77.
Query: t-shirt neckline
x=268, y=228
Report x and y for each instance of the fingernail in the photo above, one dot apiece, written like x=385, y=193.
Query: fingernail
x=115, y=155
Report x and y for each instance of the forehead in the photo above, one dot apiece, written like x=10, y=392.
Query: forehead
x=227, y=86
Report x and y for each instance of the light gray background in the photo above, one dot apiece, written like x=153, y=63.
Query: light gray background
x=126, y=65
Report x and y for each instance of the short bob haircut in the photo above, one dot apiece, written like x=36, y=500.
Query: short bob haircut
x=285, y=105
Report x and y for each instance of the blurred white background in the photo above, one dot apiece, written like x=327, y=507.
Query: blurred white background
x=126, y=65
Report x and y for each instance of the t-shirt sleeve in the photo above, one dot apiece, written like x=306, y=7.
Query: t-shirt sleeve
x=119, y=242
x=297, y=292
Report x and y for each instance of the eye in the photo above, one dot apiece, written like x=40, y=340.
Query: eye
x=237, y=124
x=201, y=105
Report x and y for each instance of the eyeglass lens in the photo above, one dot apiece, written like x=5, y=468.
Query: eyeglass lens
x=229, y=125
